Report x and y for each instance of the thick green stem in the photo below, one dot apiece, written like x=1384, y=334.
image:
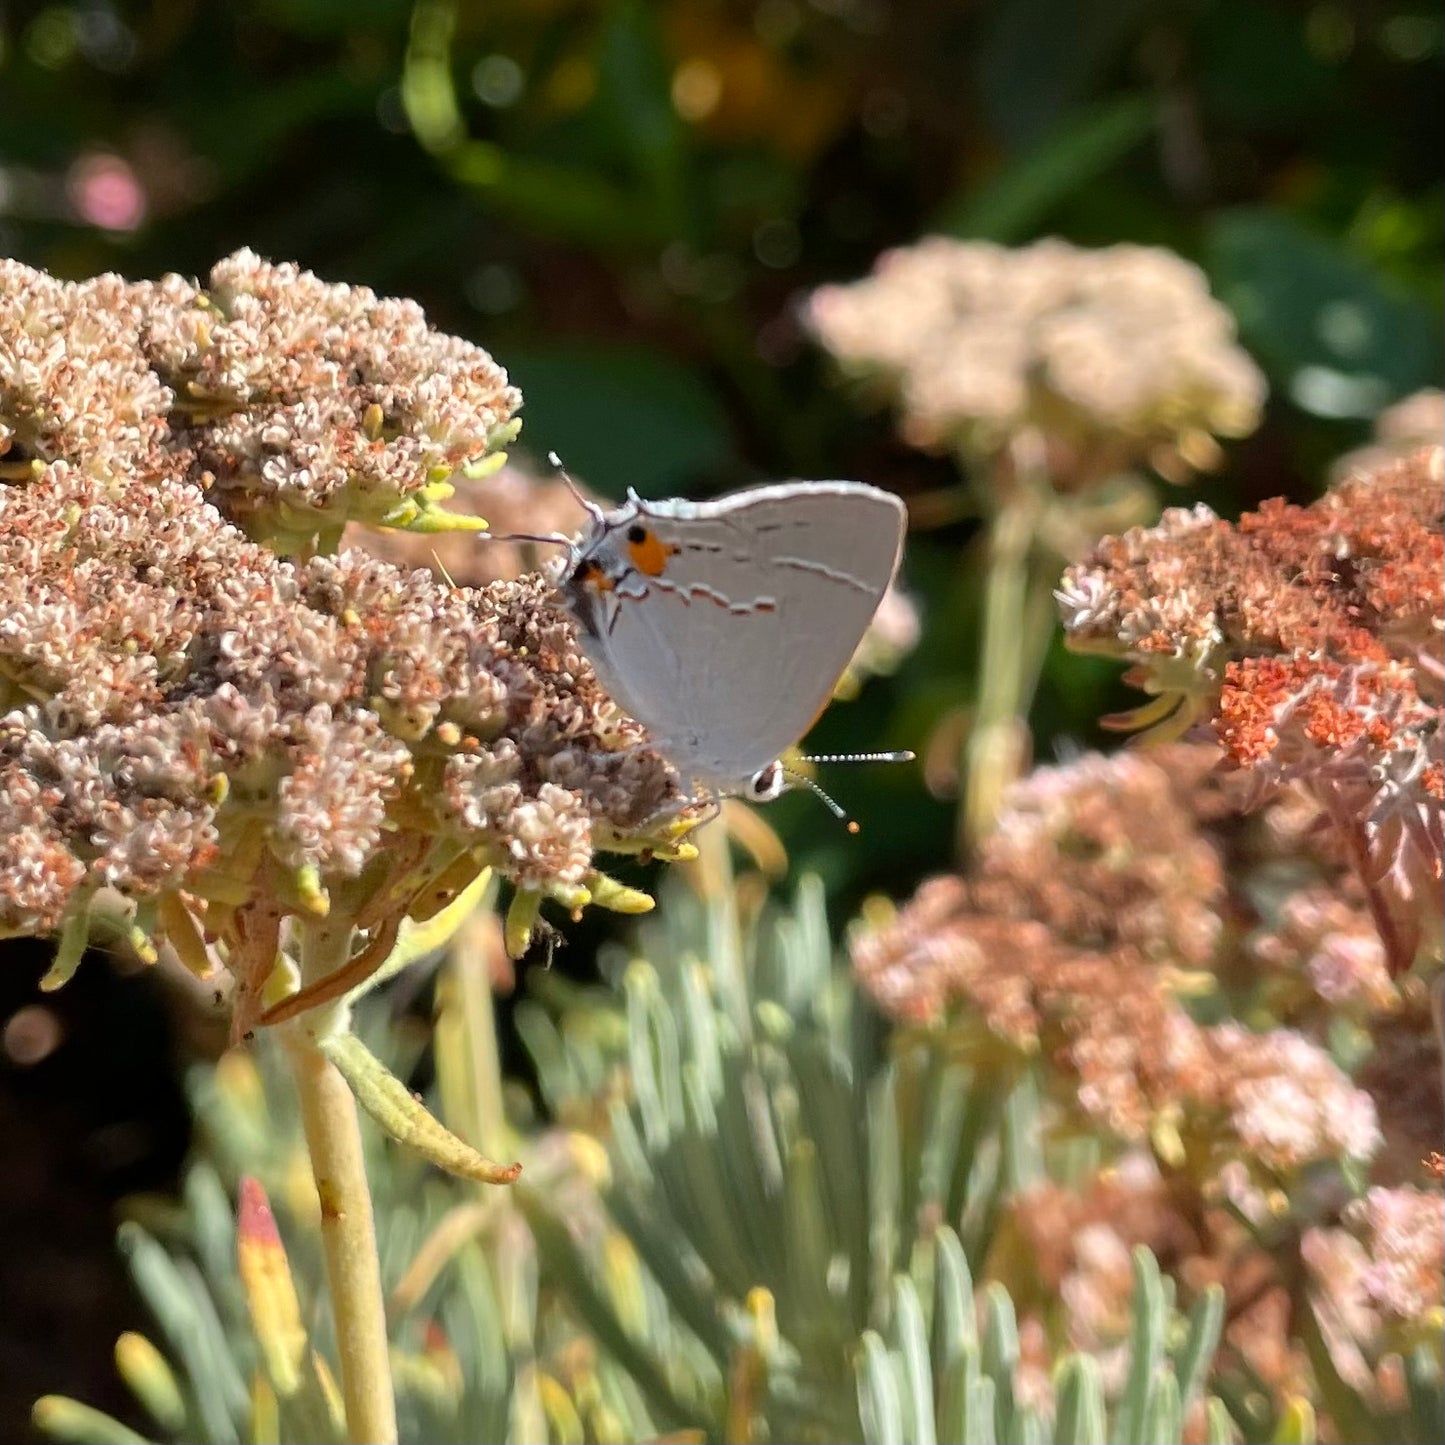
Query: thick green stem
x=348, y=1230
x=997, y=744
x=470, y=966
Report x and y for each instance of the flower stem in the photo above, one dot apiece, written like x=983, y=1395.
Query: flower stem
x=996, y=748
x=470, y=965
x=348, y=1229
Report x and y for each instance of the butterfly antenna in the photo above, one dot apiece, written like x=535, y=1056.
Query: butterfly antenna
x=833, y=807
x=556, y=539
x=586, y=503
x=897, y=757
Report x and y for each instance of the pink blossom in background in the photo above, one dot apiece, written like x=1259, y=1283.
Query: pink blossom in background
x=105, y=192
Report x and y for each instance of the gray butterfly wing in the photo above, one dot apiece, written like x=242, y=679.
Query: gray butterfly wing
x=732, y=651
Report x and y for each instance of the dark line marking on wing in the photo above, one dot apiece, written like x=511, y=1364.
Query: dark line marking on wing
x=822, y=569
x=686, y=592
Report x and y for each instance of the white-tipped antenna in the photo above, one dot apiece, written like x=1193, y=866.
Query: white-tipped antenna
x=903, y=756
x=834, y=808
x=556, y=539
x=586, y=503
x=899, y=757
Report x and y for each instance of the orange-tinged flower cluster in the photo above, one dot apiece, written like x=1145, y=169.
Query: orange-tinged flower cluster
x=1184, y=975
x=1104, y=887
x=1310, y=637
x=1377, y=1286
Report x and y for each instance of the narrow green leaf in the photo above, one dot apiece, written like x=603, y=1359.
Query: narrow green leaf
x=65, y=1419
x=955, y=1323
x=1079, y=1415
x=953, y=1396
x=1000, y=1353
x=678, y=1268
x=885, y=1185
x=810, y=1242
x=879, y=1406
x=945, y=1109
x=175, y=1300
x=1163, y=1413
x=594, y=1308
x=1023, y=1135
x=1192, y=1364
x=827, y=1098
x=982, y=1411
x=700, y=1028
x=651, y=1053
x=1029, y=1427
x=912, y=1338
x=1146, y=1347
x=403, y=1117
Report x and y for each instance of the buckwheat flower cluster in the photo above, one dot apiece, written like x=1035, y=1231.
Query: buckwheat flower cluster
x=295, y=403
x=1417, y=421
x=1377, y=1286
x=1310, y=638
x=73, y=383
x=302, y=404
x=1117, y=356
x=1099, y=896
x=1073, y=1252
x=226, y=737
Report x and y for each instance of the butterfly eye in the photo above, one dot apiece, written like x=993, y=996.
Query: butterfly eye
x=767, y=783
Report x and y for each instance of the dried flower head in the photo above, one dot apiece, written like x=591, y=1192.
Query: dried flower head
x=1098, y=894
x=1311, y=638
x=73, y=383
x=1377, y=1284
x=183, y=709
x=1116, y=356
x=295, y=403
x=1417, y=421
x=228, y=738
x=1071, y=1245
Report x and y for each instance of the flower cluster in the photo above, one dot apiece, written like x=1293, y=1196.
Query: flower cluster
x=181, y=706
x=1311, y=638
x=227, y=737
x=73, y=382
x=296, y=404
x=1105, y=891
x=1115, y=356
x=1377, y=1286
x=1417, y=421
x=1072, y=1262
x=1170, y=964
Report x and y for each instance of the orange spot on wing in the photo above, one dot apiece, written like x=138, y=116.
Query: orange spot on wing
x=650, y=553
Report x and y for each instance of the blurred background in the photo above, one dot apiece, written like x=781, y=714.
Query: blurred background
x=628, y=204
